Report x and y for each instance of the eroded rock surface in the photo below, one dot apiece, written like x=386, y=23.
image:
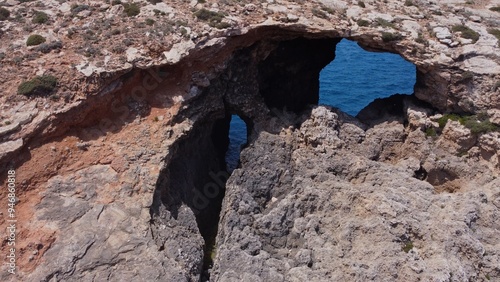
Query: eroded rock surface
x=302, y=209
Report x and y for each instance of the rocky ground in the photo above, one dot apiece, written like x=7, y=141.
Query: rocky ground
x=115, y=157
x=335, y=201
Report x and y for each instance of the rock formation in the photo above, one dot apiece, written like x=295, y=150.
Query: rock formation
x=118, y=141
x=359, y=210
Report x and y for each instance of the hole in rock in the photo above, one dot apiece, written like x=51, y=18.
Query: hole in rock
x=444, y=180
x=421, y=173
x=357, y=77
x=237, y=139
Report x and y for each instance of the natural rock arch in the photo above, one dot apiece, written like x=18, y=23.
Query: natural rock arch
x=233, y=75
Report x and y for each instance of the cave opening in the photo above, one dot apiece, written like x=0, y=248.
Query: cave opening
x=237, y=140
x=357, y=77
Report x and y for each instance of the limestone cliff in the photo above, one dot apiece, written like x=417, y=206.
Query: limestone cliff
x=118, y=139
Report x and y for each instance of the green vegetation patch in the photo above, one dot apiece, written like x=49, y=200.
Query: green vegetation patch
x=496, y=86
x=327, y=9
x=467, y=76
x=222, y=25
x=466, y=32
x=495, y=9
x=421, y=39
x=362, y=22
x=409, y=3
x=209, y=16
x=408, y=246
x=76, y=8
x=495, y=32
x=40, y=17
x=477, y=124
x=383, y=23
x=319, y=13
x=214, y=19
x=40, y=85
x=47, y=47
x=4, y=14
x=131, y=9
x=388, y=36
x=34, y=40
x=442, y=121
x=430, y=132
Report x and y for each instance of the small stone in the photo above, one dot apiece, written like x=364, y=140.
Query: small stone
x=465, y=41
x=84, y=14
x=476, y=19
x=65, y=8
x=132, y=54
x=292, y=18
x=494, y=115
x=446, y=41
x=250, y=7
x=24, y=118
x=10, y=146
x=303, y=257
x=82, y=145
x=442, y=32
x=4, y=130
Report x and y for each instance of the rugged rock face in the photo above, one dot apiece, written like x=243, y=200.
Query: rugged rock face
x=346, y=216
x=120, y=171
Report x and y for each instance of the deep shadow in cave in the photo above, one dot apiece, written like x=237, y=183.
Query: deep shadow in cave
x=196, y=178
x=289, y=77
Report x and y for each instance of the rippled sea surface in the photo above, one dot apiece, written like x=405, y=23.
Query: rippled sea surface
x=357, y=77
x=353, y=80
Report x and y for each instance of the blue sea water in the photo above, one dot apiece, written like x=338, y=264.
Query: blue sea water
x=357, y=77
x=237, y=138
x=354, y=79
